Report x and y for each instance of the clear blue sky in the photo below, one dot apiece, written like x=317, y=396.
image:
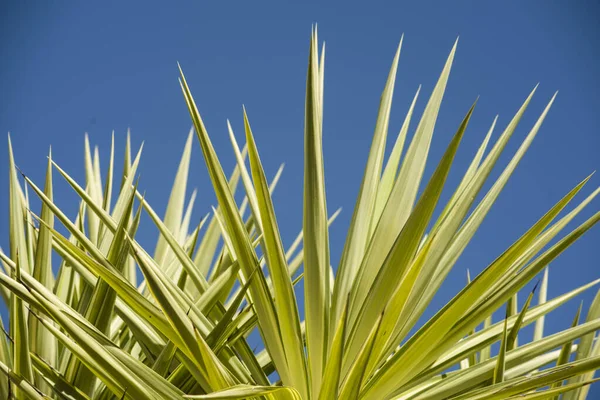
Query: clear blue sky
x=71, y=68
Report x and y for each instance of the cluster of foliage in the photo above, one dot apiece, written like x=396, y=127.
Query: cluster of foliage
x=95, y=330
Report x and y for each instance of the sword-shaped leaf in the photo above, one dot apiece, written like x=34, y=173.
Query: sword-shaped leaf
x=244, y=250
x=284, y=297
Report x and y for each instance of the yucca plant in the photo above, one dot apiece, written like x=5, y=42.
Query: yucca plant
x=95, y=330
